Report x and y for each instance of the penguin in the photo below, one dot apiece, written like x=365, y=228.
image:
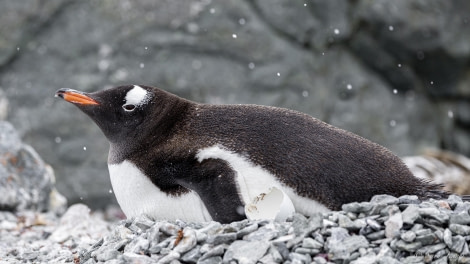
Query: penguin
x=172, y=158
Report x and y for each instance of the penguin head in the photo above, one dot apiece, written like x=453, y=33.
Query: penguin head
x=123, y=113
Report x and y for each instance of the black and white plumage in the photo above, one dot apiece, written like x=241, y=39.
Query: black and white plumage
x=171, y=158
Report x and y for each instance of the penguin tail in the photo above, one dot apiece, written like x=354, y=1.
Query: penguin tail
x=465, y=198
x=431, y=190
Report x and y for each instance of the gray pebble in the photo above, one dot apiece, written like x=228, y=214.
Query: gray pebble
x=409, y=247
x=408, y=199
x=346, y=246
x=138, y=246
x=439, y=254
x=211, y=260
x=274, y=254
x=462, y=218
x=408, y=236
x=241, y=250
x=143, y=222
x=430, y=249
x=310, y=251
x=264, y=233
x=300, y=258
x=462, y=207
x=247, y=230
x=193, y=255
x=215, y=251
x=410, y=214
x=311, y=243
x=30, y=255
x=388, y=260
x=460, y=229
x=384, y=199
x=320, y=260
x=413, y=259
x=222, y=238
x=458, y=243
x=107, y=255
x=442, y=260
x=356, y=207
x=172, y=255
x=393, y=225
x=376, y=235
x=427, y=239
x=447, y=237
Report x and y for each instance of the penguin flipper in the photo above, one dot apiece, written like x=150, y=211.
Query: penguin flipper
x=214, y=182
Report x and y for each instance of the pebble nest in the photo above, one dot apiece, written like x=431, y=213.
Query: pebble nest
x=385, y=230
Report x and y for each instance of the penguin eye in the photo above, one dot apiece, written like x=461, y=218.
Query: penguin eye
x=128, y=107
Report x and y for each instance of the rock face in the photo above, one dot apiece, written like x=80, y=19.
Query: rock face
x=395, y=72
x=26, y=182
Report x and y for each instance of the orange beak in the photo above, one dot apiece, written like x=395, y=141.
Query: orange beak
x=75, y=97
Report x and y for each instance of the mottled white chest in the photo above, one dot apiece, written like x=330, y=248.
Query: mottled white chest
x=252, y=179
x=137, y=195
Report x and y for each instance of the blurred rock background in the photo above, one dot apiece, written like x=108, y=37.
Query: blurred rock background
x=396, y=72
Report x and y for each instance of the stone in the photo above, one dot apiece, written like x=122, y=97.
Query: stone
x=376, y=235
x=300, y=258
x=246, y=251
x=311, y=243
x=215, y=251
x=413, y=259
x=447, y=237
x=129, y=257
x=393, y=225
x=143, y=222
x=26, y=182
x=408, y=236
x=107, y=255
x=459, y=229
x=139, y=245
x=408, y=199
x=388, y=260
x=345, y=246
x=247, y=230
x=410, y=214
x=458, y=243
x=431, y=249
x=192, y=256
x=222, y=238
x=212, y=260
x=320, y=51
x=384, y=199
x=263, y=233
x=426, y=239
x=172, y=255
x=408, y=247
x=462, y=218
x=357, y=207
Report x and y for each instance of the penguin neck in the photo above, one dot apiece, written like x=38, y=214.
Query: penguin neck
x=153, y=134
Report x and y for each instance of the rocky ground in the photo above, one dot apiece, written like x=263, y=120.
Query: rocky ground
x=395, y=72
x=384, y=230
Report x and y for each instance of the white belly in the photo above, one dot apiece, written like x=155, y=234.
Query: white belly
x=137, y=195
x=253, y=180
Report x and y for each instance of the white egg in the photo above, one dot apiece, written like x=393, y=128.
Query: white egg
x=271, y=205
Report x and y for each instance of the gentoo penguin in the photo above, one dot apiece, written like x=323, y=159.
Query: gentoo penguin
x=172, y=158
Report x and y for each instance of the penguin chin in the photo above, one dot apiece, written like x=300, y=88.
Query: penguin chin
x=271, y=205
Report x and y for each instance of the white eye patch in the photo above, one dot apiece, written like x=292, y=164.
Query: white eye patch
x=137, y=96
